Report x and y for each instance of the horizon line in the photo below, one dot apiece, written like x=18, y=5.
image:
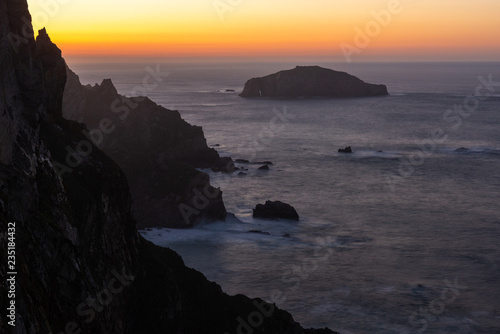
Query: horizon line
x=269, y=59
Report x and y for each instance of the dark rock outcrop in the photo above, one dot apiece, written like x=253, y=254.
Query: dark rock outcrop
x=348, y=149
x=175, y=195
x=55, y=73
x=462, y=149
x=81, y=265
x=157, y=150
x=138, y=123
x=225, y=165
x=275, y=210
x=310, y=81
x=259, y=232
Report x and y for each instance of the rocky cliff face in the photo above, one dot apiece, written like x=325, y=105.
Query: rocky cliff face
x=81, y=265
x=71, y=232
x=156, y=149
x=310, y=81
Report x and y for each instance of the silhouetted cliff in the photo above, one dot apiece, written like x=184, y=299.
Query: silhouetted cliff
x=81, y=265
x=310, y=81
x=71, y=232
x=157, y=150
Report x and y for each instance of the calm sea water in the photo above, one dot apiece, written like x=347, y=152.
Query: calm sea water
x=402, y=236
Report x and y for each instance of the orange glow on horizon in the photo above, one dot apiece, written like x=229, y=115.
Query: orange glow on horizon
x=258, y=28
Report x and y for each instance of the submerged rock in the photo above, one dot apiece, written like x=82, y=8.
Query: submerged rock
x=346, y=239
x=275, y=210
x=264, y=167
x=462, y=149
x=259, y=232
x=348, y=149
x=310, y=81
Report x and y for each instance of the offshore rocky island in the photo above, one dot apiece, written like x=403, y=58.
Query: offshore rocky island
x=311, y=81
x=82, y=266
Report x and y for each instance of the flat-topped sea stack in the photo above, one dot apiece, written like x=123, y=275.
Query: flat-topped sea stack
x=311, y=81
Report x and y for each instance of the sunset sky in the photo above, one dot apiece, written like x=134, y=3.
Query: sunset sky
x=449, y=30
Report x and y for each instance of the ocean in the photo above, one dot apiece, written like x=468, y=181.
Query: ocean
x=401, y=236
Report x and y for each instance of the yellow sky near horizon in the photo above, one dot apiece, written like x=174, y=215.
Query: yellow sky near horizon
x=416, y=29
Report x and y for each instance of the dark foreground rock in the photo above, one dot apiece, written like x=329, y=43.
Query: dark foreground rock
x=275, y=210
x=157, y=150
x=76, y=236
x=310, y=81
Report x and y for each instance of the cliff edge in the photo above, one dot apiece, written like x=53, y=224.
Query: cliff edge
x=158, y=151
